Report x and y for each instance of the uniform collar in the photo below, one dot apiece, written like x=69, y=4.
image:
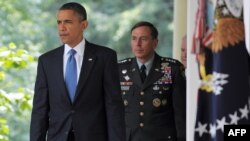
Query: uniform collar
x=147, y=64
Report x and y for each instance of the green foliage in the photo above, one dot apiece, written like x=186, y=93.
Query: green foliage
x=110, y=23
x=10, y=57
x=17, y=102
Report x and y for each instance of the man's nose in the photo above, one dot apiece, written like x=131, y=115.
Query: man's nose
x=138, y=42
x=61, y=27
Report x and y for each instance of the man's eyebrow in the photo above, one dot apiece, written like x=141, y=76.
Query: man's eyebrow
x=67, y=20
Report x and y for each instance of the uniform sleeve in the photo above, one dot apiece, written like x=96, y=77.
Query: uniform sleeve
x=179, y=101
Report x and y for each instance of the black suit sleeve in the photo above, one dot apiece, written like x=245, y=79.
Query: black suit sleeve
x=39, y=116
x=179, y=101
x=113, y=100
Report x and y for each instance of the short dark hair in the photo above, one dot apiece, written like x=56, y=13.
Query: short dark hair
x=154, y=31
x=78, y=8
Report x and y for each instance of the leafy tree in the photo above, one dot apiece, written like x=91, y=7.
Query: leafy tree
x=18, y=101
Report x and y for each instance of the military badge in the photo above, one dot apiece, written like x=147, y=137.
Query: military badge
x=164, y=102
x=126, y=77
x=124, y=71
x=166, y=79
x=165, y=88
x=126, y=83
x=125, y=88
x=156, y=102
x=165, y=68
x=156, y=88
x=157, y=70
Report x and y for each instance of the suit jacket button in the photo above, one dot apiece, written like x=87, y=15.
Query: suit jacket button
x=141, y=113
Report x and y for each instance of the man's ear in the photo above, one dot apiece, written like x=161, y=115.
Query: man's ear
x=84, y=24
x=155, y=42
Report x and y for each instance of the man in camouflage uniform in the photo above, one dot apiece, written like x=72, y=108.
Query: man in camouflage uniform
x=154, y=96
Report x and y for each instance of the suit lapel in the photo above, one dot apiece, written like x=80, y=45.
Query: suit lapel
x=87, y=65
x=154, y=73
x=59, y=74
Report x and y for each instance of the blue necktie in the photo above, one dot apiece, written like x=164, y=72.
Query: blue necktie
x=71, y=74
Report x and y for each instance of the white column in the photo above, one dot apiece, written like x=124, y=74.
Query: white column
x=192, y=71
x=180, y=26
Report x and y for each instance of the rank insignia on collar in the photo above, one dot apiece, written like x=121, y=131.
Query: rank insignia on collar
x=90, y=59
x=124, y=71
x=156, y=102
x=133, y=69
x=157, y=70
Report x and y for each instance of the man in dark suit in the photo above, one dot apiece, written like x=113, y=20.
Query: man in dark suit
x=153, y=90
x=77, y=92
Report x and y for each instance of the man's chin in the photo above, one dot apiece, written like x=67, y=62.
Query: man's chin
x=64, y=41
x=140, y=57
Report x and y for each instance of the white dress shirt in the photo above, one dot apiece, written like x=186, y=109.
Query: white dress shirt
x=78, y=56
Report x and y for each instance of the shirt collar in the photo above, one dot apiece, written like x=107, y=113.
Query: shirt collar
x=147, y=64
x=79, y=48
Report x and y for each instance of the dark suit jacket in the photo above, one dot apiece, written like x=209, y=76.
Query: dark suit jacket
x=97, y=113
x=156, y=109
